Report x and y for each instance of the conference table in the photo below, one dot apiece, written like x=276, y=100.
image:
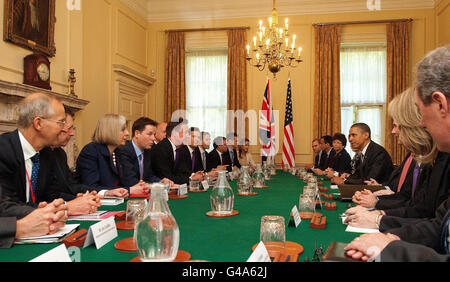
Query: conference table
x=227, y=239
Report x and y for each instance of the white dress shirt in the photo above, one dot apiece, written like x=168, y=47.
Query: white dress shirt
x=28, y=153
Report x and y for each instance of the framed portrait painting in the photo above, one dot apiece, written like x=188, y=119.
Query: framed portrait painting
x=30, y=24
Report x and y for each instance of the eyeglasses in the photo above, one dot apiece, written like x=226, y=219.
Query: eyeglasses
x=61, y=123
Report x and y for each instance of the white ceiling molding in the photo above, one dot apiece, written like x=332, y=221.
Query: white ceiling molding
x=190, y=10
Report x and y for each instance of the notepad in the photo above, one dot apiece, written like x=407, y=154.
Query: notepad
x=361, y=230
x=111, y=201
x=92, y=216
x=47, y=239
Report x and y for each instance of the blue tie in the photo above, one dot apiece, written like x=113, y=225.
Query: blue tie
x=35, y=173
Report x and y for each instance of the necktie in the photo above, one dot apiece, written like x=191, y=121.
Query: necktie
x=415, y=176
x=177, y=156
x=35, y=173
x=204, y=160
x=404, y=172
x=231, y=156
x=141, y=165
x=193, y=161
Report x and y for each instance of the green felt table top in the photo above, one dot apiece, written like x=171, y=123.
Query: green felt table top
x=219, y=239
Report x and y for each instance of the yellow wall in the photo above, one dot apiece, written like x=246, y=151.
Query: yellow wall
x=112, y=34
x=443, y=23
x=302, y=77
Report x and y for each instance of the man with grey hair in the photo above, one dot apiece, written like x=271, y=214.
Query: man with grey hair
x=429, y=239
x=26, y=167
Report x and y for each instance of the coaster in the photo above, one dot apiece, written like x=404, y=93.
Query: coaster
x=120, y=216
x=248, y=194
x=260, y=187
x=126, y=245
x=176, y=197
x=289, y=253
x=122, y=225
x=182, y=256
x=309, y=215
x=215, y=214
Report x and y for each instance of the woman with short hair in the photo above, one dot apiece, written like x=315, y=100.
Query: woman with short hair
x=98, y=164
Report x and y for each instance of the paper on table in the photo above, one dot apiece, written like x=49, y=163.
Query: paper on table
x=361, y=230
x=63, y=231
x=334, y=187
x=96, y=218
x=58, y=254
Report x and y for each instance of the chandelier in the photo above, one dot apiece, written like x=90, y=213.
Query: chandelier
x=272, y=47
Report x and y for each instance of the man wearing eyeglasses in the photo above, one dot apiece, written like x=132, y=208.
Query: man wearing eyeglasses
x=25, y=168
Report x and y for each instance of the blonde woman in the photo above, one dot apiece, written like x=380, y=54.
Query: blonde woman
x=98, y=164
x=245, y=158
x=409, y=133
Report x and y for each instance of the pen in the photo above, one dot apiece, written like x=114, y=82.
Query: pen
x=287, y=258
x=78, y=237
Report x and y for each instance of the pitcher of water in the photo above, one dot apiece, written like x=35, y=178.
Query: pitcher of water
x=157, y=236
x=222, y=197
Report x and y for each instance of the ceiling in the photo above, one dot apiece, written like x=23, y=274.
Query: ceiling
x=189, y=10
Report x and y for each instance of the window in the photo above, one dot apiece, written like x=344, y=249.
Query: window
x=206, y=90
x=363, y=88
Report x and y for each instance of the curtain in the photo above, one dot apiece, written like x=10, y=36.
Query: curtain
x=206, y=90
x=237, y=79
x=175, y=74
x=327, y=104
x=363, y=87
x=398, y=40
x=363, y=75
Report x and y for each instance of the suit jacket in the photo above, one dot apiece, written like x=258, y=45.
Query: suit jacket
x=65, y=185
x=198, y=156
x=198, y=164
x=401, y=198
x=376, y=164
x=431, y=233
x=12, y=171
x=164, y=166
x=130, y=166
x=341, y=162
x=213, y=160
x=96, y=169
x=234, y=159
x=10, y=212
x=433, y=190
x=325, y=159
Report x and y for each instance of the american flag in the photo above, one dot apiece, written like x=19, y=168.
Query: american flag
x=288, y=143
x=267, y=127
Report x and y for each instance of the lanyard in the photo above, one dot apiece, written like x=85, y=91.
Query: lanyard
x=31, y=187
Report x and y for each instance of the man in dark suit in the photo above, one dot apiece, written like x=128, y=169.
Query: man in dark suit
x=429, y=239
x=375, y=162
x=232, y=144
x=206, y=143
x=328, y=153
x=136, y=154
x=219, y=157
x=315, y=144
x=169, y=157
x=194, y=150
x=27, y=164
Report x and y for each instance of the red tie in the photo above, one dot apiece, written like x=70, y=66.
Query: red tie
x=404, y=172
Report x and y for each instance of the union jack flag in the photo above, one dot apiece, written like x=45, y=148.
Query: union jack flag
x=267, y=127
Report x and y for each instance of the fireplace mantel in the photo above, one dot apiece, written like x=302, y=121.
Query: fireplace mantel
x=12, y=93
